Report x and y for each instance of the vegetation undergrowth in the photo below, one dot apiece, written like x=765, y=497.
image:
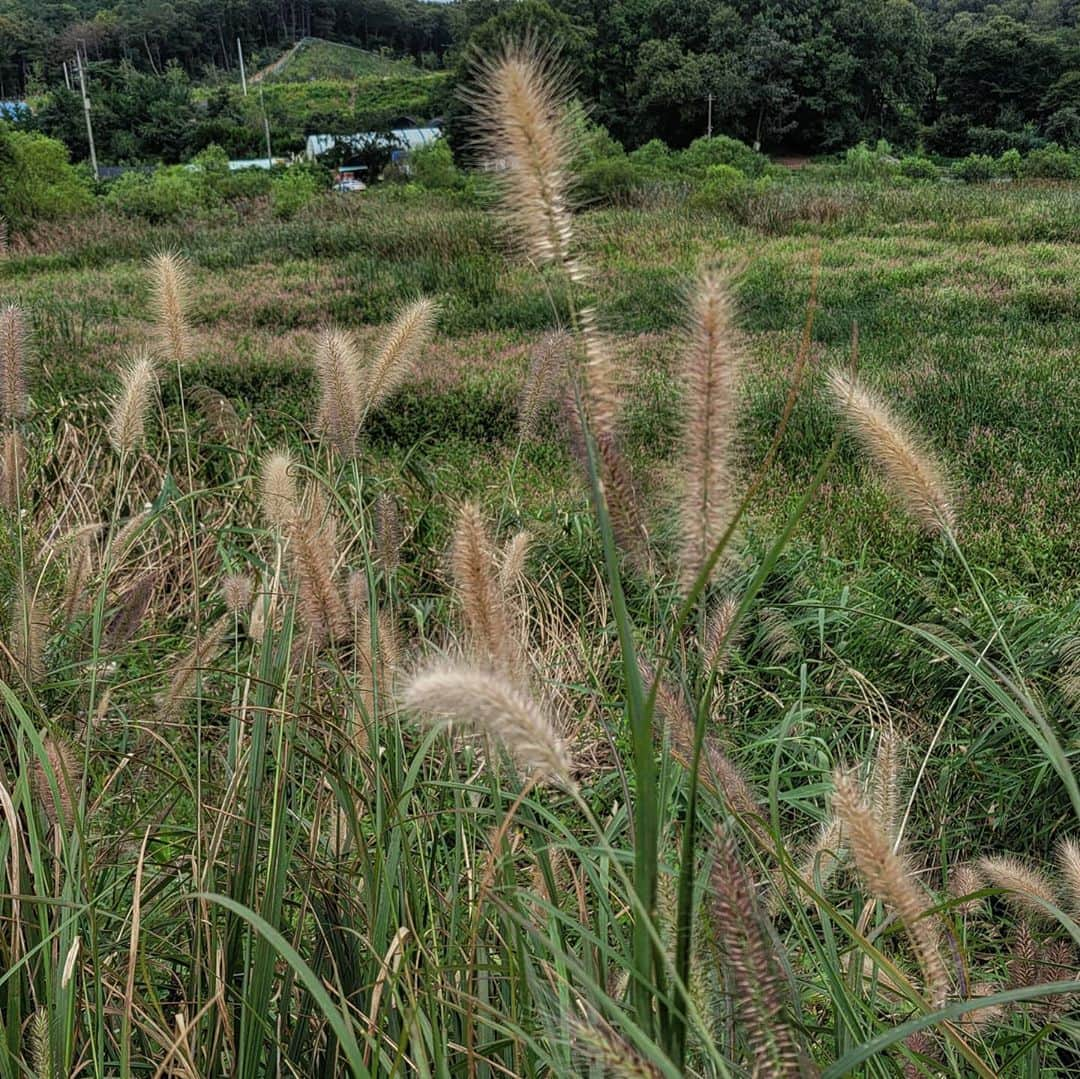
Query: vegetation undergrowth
x=313, y=766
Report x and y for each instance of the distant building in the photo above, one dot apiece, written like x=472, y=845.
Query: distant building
x=400, y=140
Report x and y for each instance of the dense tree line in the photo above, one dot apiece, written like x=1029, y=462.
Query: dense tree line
x=955, y=76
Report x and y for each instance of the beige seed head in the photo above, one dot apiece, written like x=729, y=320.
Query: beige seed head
x=907, y=468
x=237, y=590
x=1024, y=887
x=169, y=284
x=58, y=808
x=487, y=703
x=14, y=336
x=487, y=616
x=127, y=419
x=888, y=879
x=1068, y=858
x=277, y=488
x=12, y=471
x=337, y=364
x=401, y=347
x=520, y=107
x=710, y=380
x=29, y=627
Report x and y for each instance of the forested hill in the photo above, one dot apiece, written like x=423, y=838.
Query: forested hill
x=955, y=76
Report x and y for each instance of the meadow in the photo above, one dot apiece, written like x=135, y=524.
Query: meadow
x=805, y=811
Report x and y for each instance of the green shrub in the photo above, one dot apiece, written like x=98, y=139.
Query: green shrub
x=1052, y=163
x=165, y=194
x=611, y=181
x=292, y=190
x=1010, y=164
x=918, y=168
x=36, y=179
x=433, y=167
x=974, y=169
x=724, y=188
x=705, y=153
x=655, y=155
x=863, y=163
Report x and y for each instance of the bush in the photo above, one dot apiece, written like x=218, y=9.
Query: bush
x=724, y=188
x=918, y=168
x=433, y=167
x=36, y=179
x=1052, y=163
x=612, y=181
x=292, y=190
x=703, y=154
x=974, y=169
x=863, y=163
x=1010, y=164
x=655, y=156
x=165, y=194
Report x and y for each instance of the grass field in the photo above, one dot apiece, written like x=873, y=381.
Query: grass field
x=273, y=870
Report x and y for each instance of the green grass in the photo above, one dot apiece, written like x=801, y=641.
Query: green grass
x=314, y=58
x=326, y=887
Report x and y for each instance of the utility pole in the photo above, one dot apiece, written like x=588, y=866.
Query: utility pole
x=243, y=77
x=709, y=130
x=266, y=128
x=67, y=76
x=86, y=112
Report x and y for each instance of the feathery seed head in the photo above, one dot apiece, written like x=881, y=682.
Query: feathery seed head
x=169, y=282
x=13, y=343
x=710, y=373
x=488, y=620
x=313, y=545
x=888, y=879
x=337, y=365
x=520, y=106
x=1024, y=887
x=966, y=880
x=547, y=368
x=907, y=468
x=127, y=420
x=388, y=537
x=489, y=704
x=12, y=470
x=1068, y=856
x=761, y=991
x=278, y=488
x=237, y=590
x=58, y=808
x=29, y=626
x=399, y=351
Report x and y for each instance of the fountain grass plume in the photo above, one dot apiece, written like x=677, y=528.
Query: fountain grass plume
x=488, y=703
